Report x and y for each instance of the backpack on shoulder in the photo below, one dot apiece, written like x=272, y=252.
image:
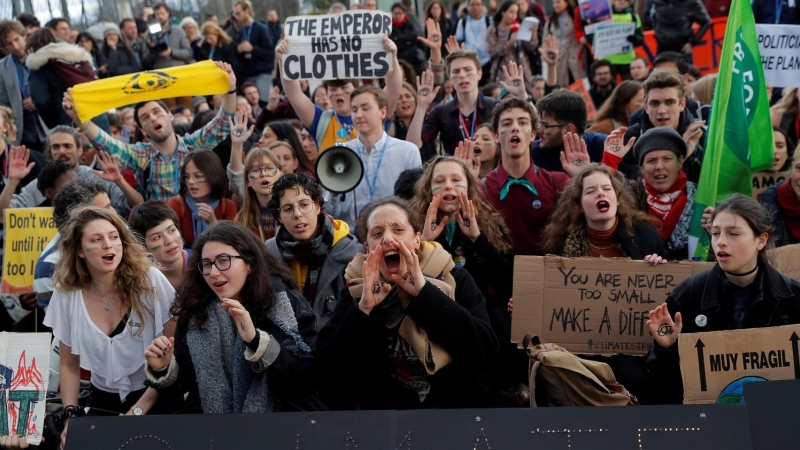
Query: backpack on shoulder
x=563, y=379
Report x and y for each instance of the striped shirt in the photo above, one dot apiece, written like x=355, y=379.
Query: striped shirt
x=43, y=274
x=162, y=172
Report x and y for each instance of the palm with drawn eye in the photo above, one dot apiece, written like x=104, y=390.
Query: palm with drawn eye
x=575, y=157
x=375, y=291
x=18, y=167
x=452, y=44
x=433, y=227
x=239, y=131
x=550, y=50
x=434, y=34
x=664, y=330
x=415, y=280
x=466, y=153
x=426, y=91
x=109, y=170
x=615, y=143
x=514, y=80
x=467, y=219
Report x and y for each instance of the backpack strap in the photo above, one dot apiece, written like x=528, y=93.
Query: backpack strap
x=322, y=126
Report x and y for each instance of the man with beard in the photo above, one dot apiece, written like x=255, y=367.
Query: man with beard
x=157, y=163
x=602, y=82
x=65, y=146
x=563, y=112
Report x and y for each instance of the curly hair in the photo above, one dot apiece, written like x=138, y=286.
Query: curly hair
x=568, y=216
x=490, y=222
x=39, y=39
x=250, y=214
x=130, y=277
x=510, y=103
x=257, y=295
x=294, y=181
x=74, y=194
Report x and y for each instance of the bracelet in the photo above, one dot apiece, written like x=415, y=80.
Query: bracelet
x=74, y=411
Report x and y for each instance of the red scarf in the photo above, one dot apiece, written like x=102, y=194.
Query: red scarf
x=400, y=23
x=790, y=208
x=667, y=206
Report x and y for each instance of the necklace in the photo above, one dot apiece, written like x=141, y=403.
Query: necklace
x=109, y=302
x=602, y=249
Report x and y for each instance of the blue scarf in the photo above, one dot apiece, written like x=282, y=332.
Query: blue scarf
x=199, y=225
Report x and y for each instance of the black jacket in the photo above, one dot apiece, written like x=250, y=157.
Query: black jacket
x=353, y=351
x=776, y=302
x=769, y=199
x=120, y=62
x=673, y=20
x=691, y=166
x=407, y=48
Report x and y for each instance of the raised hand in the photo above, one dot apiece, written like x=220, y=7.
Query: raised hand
x=466, y=152
x=18, y=167
x=282, y=48
x=159, y=353
x=514, y=80
x=274, y=98
x=239, y=131
x=575, y=156
x=705, y=221
x=415, y=280
x=244, y=324
x=692, y=136
x=206, y=213
x=426, y=91
x=432, y=227
x=550, y=50
x=375, y=291
x=228, y=70
x=663, y=328
x=467, y=220
x=615, y=143
x=109, y=169
x=388, y=45
x=452, y=45
x=434, y=35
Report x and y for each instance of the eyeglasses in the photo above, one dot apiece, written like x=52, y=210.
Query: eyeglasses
x=222, y=263
x=258, y=172
x=304, y=207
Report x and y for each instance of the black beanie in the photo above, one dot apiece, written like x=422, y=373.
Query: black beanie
x=661, y=138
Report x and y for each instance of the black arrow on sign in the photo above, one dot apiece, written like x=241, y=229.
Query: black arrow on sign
x=795, y=355
x=701, y=364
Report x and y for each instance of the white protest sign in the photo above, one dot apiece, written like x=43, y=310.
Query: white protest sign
x=779, y=46
x=24, y=373
x=612, y=39
x=337, y=46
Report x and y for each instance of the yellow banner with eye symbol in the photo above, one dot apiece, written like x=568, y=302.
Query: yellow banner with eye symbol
x=97, y=97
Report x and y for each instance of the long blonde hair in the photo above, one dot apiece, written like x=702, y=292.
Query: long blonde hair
x=222, y=36
x=130, y=277
x=788, y=103
x=250, y=214
x=490, y=222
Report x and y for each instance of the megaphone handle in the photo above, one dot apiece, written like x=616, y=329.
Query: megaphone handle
x=341, y=198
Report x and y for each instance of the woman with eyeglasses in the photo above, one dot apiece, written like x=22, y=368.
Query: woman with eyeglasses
x=312, y=244
x=203, y=195
x=244, y=337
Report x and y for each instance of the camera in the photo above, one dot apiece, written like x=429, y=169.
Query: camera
x=157, y=38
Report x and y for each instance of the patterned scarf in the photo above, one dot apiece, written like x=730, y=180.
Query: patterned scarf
x=199, y=225
x=226, y=381
x=310, y=254
x=669, y=205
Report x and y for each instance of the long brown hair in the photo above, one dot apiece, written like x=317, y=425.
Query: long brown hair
x=568, y=217
x=490, y=222
x=250, y=214
x=130, y=277
x=788, y=103
x=614, y=107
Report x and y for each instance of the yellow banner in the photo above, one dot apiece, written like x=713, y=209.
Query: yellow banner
x=96, y=97
x=28, y=230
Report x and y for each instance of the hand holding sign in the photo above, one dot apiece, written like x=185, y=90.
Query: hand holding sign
x=663, y=328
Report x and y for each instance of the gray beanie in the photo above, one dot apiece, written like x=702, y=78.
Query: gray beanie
x=111, y=28
x=661, y=138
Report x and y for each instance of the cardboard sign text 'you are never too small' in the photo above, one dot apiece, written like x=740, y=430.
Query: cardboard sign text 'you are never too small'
x=592, y=305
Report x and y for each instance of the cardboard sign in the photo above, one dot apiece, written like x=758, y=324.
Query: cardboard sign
x=612, y=39
x=786, y=260
x=582, y=88
x=344, y=45
x=24, y=367
x=595, y=12
x=714, y=365
x=779, y=46
x=764, y=180
x=592, y=305
x=28, y=230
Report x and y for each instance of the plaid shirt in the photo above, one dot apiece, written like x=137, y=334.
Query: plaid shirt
x=164, y=175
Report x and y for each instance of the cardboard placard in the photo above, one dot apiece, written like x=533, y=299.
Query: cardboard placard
x=24, y=373
x=592, y=305
x=764, y=180
x=786, y=260
x=331, y=46
x=714, y=365
x=779, y=47
x=28, y=230
x=612, y=39
x=582, y=88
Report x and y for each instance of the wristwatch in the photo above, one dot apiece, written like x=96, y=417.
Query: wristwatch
x=137, y=411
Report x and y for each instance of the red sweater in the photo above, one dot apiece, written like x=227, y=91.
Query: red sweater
x=226, y=210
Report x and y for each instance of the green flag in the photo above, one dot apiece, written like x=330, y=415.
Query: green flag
x=739, y=140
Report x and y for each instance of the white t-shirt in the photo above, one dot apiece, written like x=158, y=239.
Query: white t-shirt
x=116, y=364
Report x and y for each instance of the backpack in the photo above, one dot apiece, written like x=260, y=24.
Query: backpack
x=462, y=22
x=72, y=73
x=566, y=380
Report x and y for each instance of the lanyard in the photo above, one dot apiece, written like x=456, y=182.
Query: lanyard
x=22, y=77
x=246, y=36
x=463, y=125
x=211, y=53
x=371, y=185
x=343, y=132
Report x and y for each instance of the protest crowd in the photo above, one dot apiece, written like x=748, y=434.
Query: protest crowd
x=201, y=263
